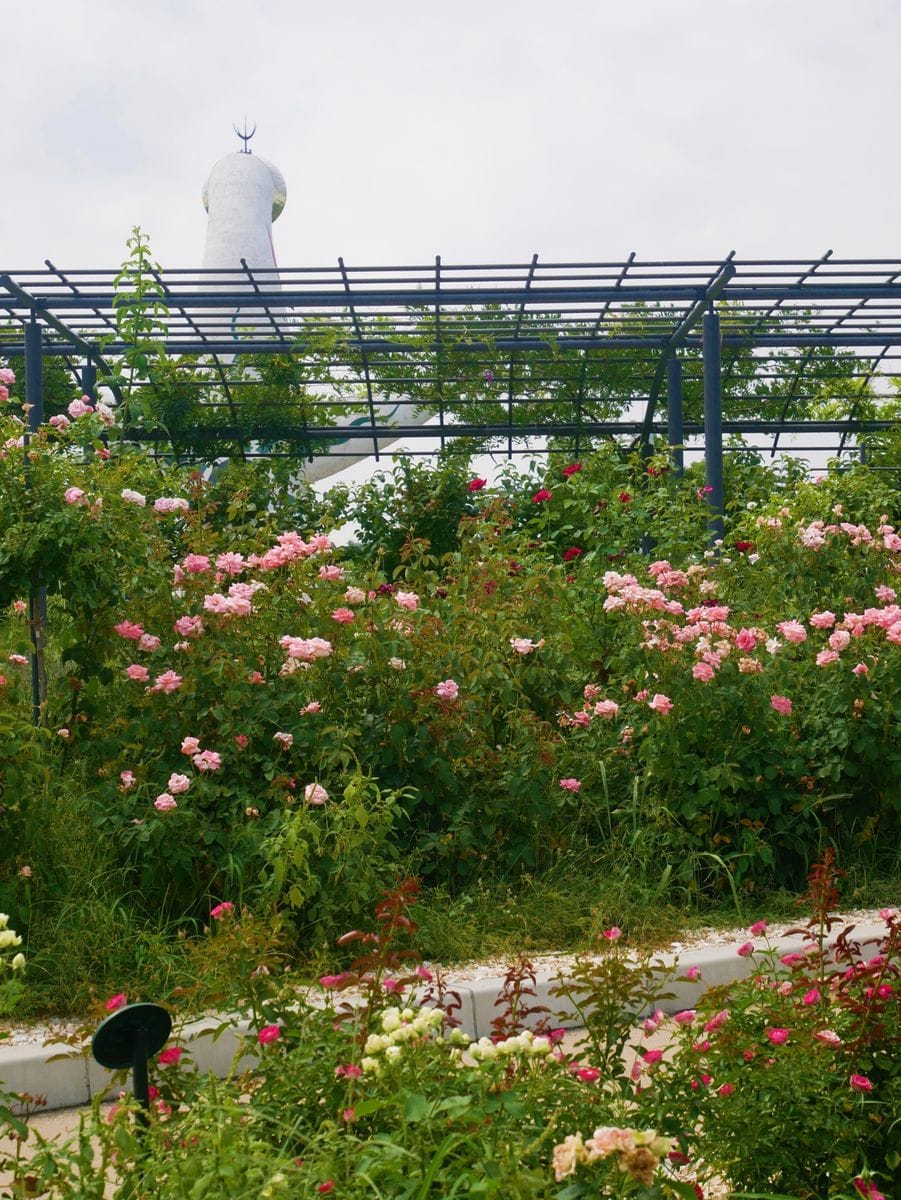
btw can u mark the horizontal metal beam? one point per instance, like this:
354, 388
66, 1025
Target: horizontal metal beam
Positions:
426, 297
320, 433
175, 345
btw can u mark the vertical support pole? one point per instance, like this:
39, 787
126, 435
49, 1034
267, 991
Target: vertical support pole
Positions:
862, 454
37, 595
89, 380
34, 375
713, 423
674, 431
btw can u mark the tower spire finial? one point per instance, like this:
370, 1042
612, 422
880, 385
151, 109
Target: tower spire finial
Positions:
245, 136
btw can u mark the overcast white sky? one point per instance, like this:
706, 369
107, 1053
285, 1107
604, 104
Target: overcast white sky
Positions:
483, 130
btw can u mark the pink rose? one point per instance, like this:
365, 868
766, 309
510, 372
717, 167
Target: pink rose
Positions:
221, 910
822, 620
792, 631
315, 794
137, 672
170, 504
129, 630
860, 1083
269, 1033
165, 803
178, 784
188, 626
476, 485
778, 1036
207, 760
746, 639
692, 973
190, 745
702, 671
781, 704
686, 1017
127, 779
407, 600
149, 642
285, 740
613, 934
746, 949
331, 572
344, 616
447, 690
167, 683
571, 785
170, 1055
607, 709
660, 704
116, 1002
758, 928
826, 657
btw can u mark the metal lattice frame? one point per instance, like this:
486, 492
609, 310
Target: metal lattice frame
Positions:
672, 318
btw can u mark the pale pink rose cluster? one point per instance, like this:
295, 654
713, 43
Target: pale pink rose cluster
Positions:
80, 408
305, 649
75, 495
189, 626
170, 504
290, 547
640, 1152
407, 600
132, 497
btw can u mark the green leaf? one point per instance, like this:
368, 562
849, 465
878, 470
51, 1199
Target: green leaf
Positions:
416, 1107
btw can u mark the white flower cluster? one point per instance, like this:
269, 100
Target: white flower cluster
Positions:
526, 1043
8, 940
403, 1025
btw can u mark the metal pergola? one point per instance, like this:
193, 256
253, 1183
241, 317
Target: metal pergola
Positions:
547, 334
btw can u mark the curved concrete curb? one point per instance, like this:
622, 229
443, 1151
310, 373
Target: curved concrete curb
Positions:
69, 1078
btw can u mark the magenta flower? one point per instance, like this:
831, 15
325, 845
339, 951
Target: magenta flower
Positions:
781, 704
588, 1074
860, 1083
572, 469
221, 910
811, 997
725, 1089
541, 495
269, 1033
115, 1002
746, 949
476, 485
693, 972
778, 1036
170, 1055
758, 928
613, 934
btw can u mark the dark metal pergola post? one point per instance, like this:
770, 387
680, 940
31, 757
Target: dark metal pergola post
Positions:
37, 594
674, 432
89, 380
34, 375
713, 423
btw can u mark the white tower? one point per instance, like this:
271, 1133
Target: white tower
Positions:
243, 195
